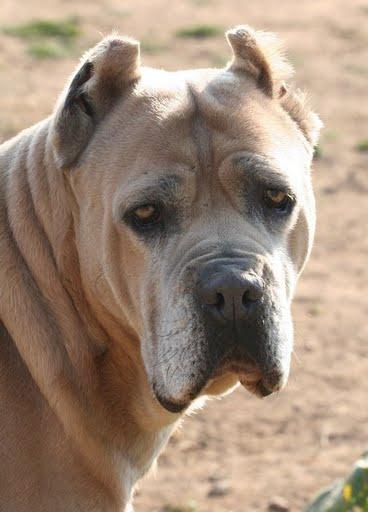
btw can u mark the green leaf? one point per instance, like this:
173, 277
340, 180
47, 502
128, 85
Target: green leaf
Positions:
349, 495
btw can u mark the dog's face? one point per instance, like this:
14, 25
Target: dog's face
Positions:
195, 217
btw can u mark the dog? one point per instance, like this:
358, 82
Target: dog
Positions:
152, 231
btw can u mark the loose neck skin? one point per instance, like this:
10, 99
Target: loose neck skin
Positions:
87, 367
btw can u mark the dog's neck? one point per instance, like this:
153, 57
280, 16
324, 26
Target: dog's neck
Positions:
98, 392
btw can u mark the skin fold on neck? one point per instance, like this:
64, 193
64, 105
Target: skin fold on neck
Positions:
87, 368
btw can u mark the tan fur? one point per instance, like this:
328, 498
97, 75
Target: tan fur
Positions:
79, 424
261, 55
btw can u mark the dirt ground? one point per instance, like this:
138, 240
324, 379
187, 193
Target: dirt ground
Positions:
239, 453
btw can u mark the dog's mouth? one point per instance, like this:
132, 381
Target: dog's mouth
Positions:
255, 380
259, 375
249, 376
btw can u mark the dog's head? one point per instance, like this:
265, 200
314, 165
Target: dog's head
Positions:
194, 209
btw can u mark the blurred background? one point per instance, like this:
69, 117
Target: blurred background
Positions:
241, 454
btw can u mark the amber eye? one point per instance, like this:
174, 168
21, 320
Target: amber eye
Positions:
147, 215
278, 199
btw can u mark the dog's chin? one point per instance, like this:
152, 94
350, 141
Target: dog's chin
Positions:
217, 387
178, 404
175, 407
223, 381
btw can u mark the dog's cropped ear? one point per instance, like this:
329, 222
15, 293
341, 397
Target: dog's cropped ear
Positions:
259, 55
106, 71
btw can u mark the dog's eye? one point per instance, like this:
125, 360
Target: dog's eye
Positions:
146, 215
278, 199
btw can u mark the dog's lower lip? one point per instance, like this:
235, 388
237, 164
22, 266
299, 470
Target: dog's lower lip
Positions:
173, 407
256, 387
263, 390
247, 370
262, 386
249, 375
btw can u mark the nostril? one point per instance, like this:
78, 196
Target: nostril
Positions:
228, 294
220, 303
249, 298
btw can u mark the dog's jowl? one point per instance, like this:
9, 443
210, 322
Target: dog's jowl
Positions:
152, 231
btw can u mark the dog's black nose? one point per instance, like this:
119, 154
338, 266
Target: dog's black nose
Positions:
230, 293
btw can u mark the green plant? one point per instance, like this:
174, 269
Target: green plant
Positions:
47, 38
349, 495
362, 145
199, 31
39, 28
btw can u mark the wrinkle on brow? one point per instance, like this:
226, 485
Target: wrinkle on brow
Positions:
165, 188
201, 136
260, 168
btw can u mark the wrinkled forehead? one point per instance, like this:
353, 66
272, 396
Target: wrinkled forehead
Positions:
199, 118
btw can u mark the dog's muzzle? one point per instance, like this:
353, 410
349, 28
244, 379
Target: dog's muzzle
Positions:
233, 302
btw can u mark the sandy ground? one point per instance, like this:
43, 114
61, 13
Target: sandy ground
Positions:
239, 453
